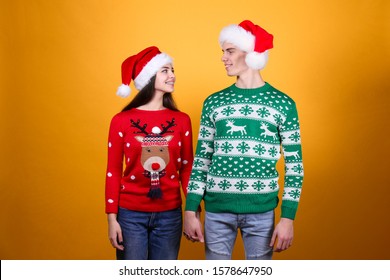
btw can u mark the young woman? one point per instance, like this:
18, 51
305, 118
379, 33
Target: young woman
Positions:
150, 157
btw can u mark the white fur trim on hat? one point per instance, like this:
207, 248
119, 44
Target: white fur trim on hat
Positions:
123, 91
150, 69
237, 36
256, 60
245, 41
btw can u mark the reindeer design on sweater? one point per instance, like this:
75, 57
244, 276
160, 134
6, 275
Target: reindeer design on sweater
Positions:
235, 128
267, 132
155, 153
294, 154
206, 148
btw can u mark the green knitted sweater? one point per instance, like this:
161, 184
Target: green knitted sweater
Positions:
242, 135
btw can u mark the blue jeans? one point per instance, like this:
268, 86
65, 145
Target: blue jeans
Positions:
221, 233
150, 235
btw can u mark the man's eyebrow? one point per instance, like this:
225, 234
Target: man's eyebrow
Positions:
229, 49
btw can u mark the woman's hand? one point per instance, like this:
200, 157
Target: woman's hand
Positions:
114, 232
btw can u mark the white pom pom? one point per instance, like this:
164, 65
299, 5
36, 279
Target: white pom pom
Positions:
156, 130
123, 91
256, 60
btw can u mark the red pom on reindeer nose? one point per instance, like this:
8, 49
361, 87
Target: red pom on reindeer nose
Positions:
155, 166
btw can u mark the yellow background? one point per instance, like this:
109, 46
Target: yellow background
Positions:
60, 68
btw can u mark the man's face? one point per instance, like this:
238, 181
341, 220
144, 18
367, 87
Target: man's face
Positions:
233, 59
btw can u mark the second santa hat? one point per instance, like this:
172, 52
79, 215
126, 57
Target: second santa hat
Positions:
249, 38
141, 68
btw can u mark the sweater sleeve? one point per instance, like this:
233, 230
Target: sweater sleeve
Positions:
202, 161
114, 165
292, 152
187, 154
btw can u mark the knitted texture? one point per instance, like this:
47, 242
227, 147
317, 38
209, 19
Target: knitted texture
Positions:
150, 156
241, 138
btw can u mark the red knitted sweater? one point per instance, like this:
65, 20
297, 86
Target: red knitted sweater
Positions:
148, 150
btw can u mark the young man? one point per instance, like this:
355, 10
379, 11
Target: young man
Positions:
243, 131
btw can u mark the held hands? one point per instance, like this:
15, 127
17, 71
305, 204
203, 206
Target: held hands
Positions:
193, 226
114, 232
283, 234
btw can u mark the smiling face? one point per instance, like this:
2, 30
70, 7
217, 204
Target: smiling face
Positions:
233, 59
165, 79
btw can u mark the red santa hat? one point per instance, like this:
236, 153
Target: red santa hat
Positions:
141, 68
250, 38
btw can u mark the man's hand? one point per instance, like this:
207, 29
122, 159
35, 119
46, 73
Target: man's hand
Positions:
193, 226
283, 234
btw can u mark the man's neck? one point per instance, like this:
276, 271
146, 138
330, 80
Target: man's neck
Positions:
250, 79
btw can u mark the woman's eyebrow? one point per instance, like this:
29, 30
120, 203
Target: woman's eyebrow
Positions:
166, 67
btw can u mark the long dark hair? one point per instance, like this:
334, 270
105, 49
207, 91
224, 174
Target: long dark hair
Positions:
146, 94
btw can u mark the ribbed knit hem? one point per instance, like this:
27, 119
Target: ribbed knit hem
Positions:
193, 202
289, 212
240, 203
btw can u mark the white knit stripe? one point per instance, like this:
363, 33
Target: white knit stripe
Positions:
242, 186
150, 69
201, 187
203, 136
257, 112
201, 164
291, 194
291, 137
240, 172
241, 147
294, 169
254, 103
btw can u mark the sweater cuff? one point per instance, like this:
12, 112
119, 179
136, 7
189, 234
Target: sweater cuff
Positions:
288, 213
111, 209
193, 202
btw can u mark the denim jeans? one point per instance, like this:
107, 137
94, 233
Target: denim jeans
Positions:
221, 233
150, 235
